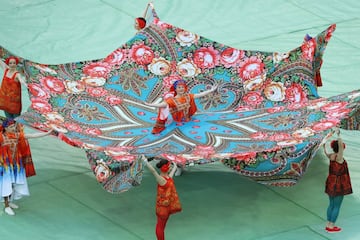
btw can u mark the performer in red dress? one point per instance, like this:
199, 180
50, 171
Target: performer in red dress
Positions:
181, 106
167, 199
10, 91
338, 182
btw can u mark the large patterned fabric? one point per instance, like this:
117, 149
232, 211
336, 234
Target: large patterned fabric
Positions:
266, 120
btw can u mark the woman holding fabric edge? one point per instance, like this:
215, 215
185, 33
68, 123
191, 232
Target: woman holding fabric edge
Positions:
167, 199
10, 91
14, 153
338, 182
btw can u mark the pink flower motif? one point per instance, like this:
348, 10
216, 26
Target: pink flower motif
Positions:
247, 157
41, 126
295, 93
40, 105
290, 142
259, 135
308, 49
37, 91
324, 124
341, 113
93, 131
253, 98
206, 57
230, 57
141, 54
294, 106
169, 81
333, 106
244, 108
124, 158
316, 104
331, 29
275, 109
161, 24
117, 57
102, 171
174, 158
97, 69
204, 151
251, 68
96, 92
123, 150
73, 127
53, 84
113, 100
281, 136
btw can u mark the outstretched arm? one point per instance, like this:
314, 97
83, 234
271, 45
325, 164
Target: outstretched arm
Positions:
3, 64
202, 94
340, 154
37, 135
173, 170
326, 153
157, 105
160, 180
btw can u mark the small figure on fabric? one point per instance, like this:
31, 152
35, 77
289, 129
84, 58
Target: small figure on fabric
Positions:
140, 23
15, 162
338, 182
10, 91
181, 105
167, 199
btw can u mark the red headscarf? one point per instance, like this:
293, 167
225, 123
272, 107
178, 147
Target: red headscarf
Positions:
165, 168
333, 142
177, 83
7, 61
141, 21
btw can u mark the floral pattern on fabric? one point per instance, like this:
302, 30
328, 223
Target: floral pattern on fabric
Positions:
265, 121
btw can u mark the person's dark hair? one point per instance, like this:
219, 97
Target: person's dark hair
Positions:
335, 146
161, 163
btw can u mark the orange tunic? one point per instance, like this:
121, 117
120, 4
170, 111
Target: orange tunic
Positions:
182, 108
10, 94
167, 199
15, 150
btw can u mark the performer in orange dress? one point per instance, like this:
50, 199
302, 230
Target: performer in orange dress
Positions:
10, 91
338, 182
167, 199
181, 106
15, 162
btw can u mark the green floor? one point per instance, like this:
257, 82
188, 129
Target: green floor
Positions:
67, 203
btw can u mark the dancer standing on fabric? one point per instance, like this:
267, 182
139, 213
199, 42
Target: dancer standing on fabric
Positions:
10, 91
15, 162
167, 199
338, 182
181, 106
